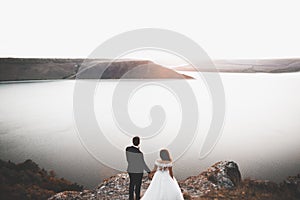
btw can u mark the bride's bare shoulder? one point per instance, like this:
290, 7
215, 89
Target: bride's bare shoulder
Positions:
163, 163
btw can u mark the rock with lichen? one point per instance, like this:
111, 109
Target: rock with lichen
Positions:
223, 174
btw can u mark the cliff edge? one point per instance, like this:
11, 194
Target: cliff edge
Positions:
220, 181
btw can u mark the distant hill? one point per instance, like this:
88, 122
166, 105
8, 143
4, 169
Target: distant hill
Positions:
17, 69
249, 66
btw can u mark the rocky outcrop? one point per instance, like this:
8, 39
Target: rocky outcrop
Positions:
257, 190
27, 181
220, 181
19, 69
221, 175
115, 187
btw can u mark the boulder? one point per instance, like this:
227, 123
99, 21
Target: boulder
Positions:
222, 175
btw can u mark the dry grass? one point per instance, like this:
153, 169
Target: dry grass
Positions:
255, 190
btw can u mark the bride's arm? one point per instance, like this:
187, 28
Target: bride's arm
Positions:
151, 174
154, 169
171, 172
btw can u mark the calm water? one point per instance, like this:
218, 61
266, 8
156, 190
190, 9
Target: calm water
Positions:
261, 132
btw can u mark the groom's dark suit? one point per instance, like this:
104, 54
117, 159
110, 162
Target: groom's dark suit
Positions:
135, 169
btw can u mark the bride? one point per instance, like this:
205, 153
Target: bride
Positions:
163, 185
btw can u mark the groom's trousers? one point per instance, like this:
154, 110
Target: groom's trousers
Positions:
135, 185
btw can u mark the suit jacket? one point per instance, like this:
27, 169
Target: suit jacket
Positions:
136, 162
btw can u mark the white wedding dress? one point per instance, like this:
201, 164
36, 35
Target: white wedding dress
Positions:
163, 186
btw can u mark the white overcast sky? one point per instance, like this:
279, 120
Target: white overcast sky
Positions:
225, 29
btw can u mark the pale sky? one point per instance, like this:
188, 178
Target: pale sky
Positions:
225, 29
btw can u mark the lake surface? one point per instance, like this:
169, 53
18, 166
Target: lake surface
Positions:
261, 131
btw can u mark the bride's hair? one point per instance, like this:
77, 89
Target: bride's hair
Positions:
165, 155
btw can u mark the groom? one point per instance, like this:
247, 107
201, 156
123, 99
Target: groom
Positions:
136, 167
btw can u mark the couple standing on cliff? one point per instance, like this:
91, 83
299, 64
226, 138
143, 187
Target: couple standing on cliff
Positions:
163, 185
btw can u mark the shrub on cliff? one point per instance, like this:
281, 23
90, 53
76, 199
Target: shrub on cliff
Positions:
27, 181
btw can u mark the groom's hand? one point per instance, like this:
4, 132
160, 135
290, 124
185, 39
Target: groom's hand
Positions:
150, 175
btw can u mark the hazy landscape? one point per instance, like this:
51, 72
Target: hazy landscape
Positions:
216, 83
261, 130
248, 66
22, 69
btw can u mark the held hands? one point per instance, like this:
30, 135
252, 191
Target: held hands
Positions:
150, 175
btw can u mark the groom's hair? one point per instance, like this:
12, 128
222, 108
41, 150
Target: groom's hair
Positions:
136, 141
